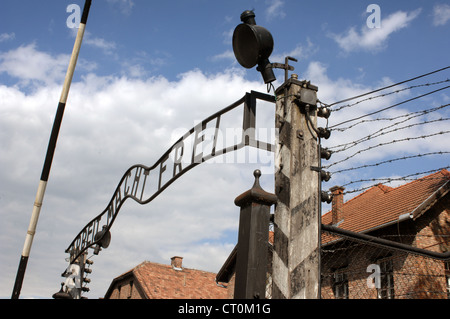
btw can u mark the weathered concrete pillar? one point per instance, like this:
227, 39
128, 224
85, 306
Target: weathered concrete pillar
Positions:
296, 259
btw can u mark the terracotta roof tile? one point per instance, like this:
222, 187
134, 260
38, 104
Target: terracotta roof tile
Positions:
380, 204
163, 282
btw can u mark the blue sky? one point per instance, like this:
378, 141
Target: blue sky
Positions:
175, 37
147, 72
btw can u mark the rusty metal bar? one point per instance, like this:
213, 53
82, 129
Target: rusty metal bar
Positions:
385, 243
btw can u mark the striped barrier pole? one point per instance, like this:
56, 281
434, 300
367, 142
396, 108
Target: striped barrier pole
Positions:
49, 156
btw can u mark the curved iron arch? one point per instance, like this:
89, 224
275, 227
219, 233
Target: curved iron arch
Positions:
91, 235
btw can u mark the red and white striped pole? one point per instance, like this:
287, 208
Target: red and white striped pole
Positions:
50, 152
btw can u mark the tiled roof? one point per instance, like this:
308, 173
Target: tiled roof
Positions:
374, 208
381, 205
160, 281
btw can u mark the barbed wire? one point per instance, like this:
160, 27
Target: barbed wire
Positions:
390, 93
389, 86
386, 143
381, 133
390, 107
393, 179
395, 125
389, 161
409, 115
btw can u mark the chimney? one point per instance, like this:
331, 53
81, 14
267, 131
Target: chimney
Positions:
177, 262
337, 205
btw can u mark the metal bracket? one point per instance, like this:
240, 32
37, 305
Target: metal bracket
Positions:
324, 175
285, 66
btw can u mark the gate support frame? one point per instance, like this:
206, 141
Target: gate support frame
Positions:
253, 241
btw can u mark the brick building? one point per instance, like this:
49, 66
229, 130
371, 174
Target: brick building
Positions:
151, 280
416, 213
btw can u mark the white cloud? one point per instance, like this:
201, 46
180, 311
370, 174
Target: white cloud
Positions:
110, 124
29, 64
228, 37
106, 46
299, 52
32, 66
441, 14
143, 63
374, 39
275, 10
7, 36
227, 55
125, 5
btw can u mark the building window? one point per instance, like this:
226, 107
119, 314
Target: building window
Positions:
340, 284
386, 290
131, 290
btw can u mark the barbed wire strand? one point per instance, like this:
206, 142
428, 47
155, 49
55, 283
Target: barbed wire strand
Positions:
389, 161
389, 86
390, 93
393, 179
410, 115
380, 132
387, 143
390, 107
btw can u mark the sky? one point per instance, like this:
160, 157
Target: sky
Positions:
148, 71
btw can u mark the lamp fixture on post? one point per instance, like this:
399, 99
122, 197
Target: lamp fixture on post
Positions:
252, 45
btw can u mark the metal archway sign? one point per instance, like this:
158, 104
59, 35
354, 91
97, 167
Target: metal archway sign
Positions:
170, 166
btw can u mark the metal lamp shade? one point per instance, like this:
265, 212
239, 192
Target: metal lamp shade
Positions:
252, 44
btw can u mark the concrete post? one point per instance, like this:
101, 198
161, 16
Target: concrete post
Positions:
253, 242
296, 260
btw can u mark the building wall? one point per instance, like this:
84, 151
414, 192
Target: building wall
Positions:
230, 287
126, 289
434, 226
413, 276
